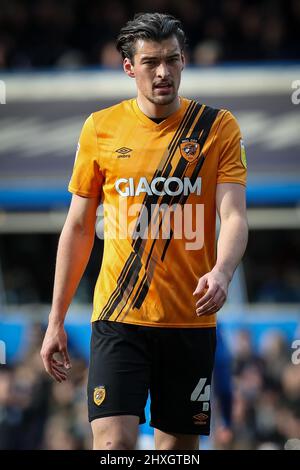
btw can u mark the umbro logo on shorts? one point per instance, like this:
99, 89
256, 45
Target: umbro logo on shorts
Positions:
201, 418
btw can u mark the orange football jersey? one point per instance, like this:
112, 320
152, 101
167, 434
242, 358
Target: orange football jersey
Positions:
157, 182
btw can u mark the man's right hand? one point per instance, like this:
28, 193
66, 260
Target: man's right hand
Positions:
55, 341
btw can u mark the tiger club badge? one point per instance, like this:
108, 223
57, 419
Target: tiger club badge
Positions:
99, 395
190, 149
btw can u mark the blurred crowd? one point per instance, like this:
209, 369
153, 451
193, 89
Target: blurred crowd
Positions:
272, 269
74, 33
37, 413
266, 408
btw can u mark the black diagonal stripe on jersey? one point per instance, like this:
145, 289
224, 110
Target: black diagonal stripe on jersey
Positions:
143, 281
153, 199
186, 122
167, 245
131, 268
128, 262
182, 201
190, 115
133, 275
167, 199
178, 172
209, 116
138, 241
143, 291
203, 125
127, 266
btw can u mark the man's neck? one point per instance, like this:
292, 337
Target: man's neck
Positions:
155, 111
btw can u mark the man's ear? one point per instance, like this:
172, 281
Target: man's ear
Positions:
128, 68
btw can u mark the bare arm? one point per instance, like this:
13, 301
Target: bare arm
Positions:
74, 249
232, 242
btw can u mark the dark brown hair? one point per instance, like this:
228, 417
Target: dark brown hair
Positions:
151, 26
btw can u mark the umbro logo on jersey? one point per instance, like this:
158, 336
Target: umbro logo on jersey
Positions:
123, 152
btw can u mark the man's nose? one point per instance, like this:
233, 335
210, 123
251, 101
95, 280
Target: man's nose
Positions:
162, 70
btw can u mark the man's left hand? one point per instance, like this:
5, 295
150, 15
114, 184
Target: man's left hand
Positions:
211, 292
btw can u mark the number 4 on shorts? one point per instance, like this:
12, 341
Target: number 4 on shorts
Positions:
197, 395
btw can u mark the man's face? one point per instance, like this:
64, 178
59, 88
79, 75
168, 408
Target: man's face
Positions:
157, 68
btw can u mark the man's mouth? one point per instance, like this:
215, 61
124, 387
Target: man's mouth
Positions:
163, 87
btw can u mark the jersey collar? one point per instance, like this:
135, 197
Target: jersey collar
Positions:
170, 120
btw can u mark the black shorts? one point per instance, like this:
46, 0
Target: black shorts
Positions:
174, 364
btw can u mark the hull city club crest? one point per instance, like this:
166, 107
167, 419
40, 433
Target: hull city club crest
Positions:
99, 395
190, 149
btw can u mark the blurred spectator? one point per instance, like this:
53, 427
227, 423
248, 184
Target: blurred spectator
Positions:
53, 33
24, 396
58, 435
71, 59
207, 53
223, 394
36, 413
272, 269
109, 56
244, 355
20, 286
276, 356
